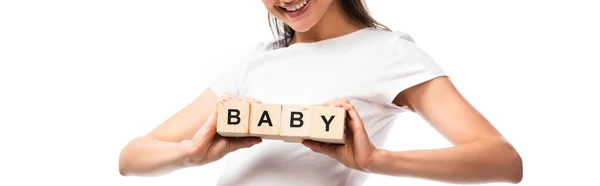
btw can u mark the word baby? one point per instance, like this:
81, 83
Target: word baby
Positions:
290, 123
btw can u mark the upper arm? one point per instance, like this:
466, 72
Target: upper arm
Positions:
440, 103
184, 124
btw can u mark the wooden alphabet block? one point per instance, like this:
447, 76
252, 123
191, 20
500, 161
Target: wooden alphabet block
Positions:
328, 124
295, 123
265, 120
232, 119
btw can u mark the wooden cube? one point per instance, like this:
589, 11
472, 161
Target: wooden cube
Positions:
328, 124
265, 120
232, 119
295, 123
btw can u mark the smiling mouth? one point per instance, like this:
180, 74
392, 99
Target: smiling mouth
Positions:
294, 8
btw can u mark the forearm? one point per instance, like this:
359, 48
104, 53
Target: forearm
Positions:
477, 162
145, 156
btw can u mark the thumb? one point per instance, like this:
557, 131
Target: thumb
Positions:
209, 129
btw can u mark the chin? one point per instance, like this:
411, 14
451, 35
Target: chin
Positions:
301, 27
304, 24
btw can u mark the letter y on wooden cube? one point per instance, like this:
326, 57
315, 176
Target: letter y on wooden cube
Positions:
328, 124
265, 120
232, 119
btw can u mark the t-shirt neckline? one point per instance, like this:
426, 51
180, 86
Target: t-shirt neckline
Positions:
331, 40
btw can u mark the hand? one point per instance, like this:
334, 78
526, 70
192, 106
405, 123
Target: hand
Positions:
358, 152
207, 146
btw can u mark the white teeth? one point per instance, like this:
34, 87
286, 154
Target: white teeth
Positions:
297, 7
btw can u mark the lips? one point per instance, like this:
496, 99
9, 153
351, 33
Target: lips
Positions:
296, 9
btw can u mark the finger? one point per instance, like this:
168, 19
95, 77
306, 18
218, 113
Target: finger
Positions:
209, 129
234, 144
359, 136
319, 147
350, 110
247, 99
224, 97
229, 97
344, 100
235, 98
336, 101
332, 102
354, 122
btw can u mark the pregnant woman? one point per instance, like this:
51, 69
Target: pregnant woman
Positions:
331, 52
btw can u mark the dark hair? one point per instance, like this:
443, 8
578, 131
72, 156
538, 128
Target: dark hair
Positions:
355, 9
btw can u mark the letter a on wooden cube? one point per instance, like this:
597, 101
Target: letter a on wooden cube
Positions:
295, 123
265, 120
232, 119
328, 124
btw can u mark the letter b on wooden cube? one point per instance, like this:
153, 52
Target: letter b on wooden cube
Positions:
328, 124
232, 119
295, 123
265, 120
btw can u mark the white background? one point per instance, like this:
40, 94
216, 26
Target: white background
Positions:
79, 79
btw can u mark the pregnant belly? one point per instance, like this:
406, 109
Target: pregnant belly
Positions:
275, 162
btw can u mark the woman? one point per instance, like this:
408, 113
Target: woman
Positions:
331, 52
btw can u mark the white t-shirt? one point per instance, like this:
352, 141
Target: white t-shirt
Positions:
369, 67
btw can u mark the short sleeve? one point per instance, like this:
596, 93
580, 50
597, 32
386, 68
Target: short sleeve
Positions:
229, 81
404, 65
